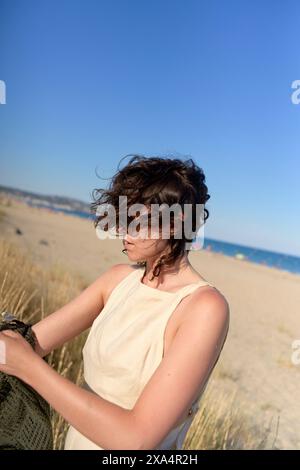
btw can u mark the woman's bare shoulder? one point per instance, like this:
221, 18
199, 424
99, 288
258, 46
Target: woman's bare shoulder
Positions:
205, 298
115, 274
122, 269
209, 299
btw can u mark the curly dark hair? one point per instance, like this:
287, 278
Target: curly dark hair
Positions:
157, 180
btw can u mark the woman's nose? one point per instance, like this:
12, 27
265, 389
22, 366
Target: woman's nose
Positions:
128, 238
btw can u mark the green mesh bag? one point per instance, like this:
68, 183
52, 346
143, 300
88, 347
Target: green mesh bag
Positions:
25, 420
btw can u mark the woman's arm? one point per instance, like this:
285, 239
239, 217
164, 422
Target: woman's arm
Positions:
77, 315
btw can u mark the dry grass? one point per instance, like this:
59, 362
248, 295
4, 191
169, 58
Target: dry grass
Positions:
2, 214
31, 293
225, 421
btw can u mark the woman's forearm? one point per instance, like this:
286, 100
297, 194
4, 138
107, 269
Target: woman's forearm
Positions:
59, 327
71, 319
54, 331
107, 424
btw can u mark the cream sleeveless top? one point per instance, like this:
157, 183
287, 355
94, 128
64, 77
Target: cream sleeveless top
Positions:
125, 346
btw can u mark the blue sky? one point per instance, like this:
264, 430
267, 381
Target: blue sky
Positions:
88, 82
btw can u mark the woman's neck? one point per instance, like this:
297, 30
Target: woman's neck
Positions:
166, 272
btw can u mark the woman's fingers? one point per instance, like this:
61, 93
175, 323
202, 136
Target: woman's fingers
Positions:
11, 333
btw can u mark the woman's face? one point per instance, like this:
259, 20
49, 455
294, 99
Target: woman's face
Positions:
138, 242
139, 249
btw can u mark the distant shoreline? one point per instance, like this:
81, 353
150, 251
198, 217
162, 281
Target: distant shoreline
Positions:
284, 262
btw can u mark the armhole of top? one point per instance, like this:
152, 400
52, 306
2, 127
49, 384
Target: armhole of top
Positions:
110, 299
117, 287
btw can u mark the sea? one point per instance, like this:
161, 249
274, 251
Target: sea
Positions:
283, 261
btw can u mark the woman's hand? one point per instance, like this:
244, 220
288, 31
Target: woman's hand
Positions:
99, 420
16, 354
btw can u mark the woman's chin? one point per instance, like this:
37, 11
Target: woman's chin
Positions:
130, 254
134, 256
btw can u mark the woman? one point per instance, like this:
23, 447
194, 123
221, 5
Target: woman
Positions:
158, 327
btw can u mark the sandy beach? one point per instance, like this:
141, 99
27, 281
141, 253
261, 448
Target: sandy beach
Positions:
264, 306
